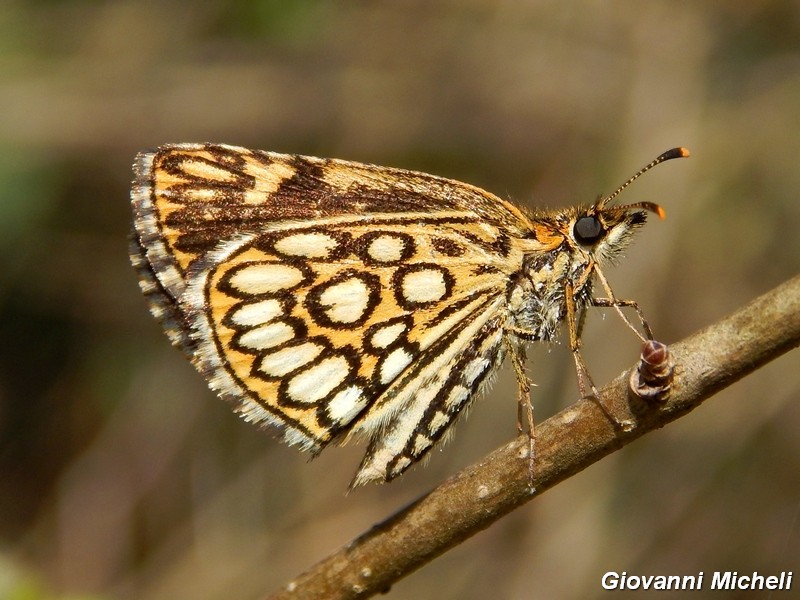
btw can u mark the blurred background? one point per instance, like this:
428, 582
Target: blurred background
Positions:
122, 476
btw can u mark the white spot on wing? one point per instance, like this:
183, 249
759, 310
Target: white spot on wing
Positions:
206, 170
257, 313
286, 360
386, 248
384, 336
346, 404
267, 336
438, 421
427, 285
394, 363
421, 443
310, 245
320, 380
402, 464
473, 369
268, 180
265, 278
348, 300
456, 396
196, 194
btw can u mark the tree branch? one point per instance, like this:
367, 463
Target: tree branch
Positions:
567, 443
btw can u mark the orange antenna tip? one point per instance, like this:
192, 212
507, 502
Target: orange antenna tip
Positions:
679, 152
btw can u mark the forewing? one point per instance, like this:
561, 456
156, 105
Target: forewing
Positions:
189, 197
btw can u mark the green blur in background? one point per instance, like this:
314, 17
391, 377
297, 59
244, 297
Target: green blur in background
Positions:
122, 476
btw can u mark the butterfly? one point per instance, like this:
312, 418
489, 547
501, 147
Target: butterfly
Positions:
338, 300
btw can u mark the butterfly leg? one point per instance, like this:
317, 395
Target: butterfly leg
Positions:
574, 326
524, 405
617, 304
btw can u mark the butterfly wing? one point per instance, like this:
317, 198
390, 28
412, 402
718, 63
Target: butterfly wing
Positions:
328, 297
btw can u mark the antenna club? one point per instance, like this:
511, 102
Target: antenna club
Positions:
680, 152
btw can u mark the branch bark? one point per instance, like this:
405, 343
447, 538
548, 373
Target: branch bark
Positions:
567, 443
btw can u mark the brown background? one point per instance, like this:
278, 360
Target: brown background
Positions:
121, 476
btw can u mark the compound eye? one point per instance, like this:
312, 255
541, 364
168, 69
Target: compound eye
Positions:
588, 230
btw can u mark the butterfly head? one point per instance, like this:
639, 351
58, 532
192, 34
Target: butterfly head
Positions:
604, 230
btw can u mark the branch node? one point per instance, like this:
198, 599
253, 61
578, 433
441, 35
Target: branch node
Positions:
652, 379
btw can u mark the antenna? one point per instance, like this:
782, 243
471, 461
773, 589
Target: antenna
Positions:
668, 155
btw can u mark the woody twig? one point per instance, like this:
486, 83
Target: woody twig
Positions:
567, 443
